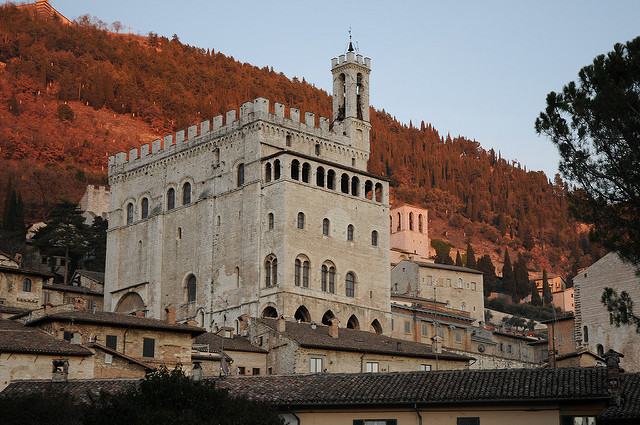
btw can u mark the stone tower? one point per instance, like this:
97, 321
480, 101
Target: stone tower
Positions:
351, 96
255, 213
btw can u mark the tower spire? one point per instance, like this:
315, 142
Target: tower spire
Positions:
350, 48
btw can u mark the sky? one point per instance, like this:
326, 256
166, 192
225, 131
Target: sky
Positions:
479, 69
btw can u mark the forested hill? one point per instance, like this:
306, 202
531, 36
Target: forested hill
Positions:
71, 95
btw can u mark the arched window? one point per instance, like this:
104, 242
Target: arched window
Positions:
144, 213
344, 183
410, 221
320, 177
378, 192
305, 273
297, 275
171, 199
129, 213
306, 172
585, 333
269, 312
191, 289
240, 177
350, 284
325, 272
355, 186
368, 189
327, 317
353, 322
459, 283
374, 238
267, 172
463, 307
295, 169
325, 227
26, 285
271, 271
270, 221
328, 281
376, 327
186, 193
600, 350
300, 220
331, 180
420, 223
350, 232
276, 169
302, 314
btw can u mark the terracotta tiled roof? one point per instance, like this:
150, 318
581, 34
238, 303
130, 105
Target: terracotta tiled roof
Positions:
8, 309
95, 276
423, 388
629, 407
237, 343
71, 288
115, 319
81, 388
16, 338
358, 341
25, 272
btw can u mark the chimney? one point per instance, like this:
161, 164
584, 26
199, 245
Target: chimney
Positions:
282, 324
171, 315
436, 344
196, 374
333, 329
243, 323
60, 370
612, 359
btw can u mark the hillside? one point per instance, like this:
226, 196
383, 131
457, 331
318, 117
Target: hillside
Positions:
121, 91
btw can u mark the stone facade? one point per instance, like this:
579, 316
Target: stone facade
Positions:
459, 288
255, 213
594, 328
95, 203
409, 228
21, 288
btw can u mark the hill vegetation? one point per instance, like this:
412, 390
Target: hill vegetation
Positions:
72, 95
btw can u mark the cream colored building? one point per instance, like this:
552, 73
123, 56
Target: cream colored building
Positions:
409, 228
460, 288
256, 213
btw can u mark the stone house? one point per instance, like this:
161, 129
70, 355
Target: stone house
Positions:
28, 353
459, 288
594, 326
243, 357
299, 347
563, 297
270, 205
84, 284
20, 287
124, 345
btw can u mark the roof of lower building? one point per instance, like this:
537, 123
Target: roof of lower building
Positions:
9, 309
237, 343
95, 276
444, 267
358, 341
17, 338
71, 288
115, 319
424, 388
629, 407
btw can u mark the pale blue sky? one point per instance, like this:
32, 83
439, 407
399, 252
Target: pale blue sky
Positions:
480, 69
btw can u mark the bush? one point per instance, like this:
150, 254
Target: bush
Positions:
65, 113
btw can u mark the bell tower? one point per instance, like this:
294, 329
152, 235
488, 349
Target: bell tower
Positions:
351, 96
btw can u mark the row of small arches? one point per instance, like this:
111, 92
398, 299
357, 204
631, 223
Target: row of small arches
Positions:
302, 271
302, 315
399, 226
325, 178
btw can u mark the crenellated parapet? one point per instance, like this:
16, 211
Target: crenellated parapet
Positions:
222, 127
351, 58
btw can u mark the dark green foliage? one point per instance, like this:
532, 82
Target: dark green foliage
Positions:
596, 126
97, 245
471, 257
547, 295
535, 295
65, 234
169, 397
459, 259
521, 278
514, 322
65, 113
442, 251
508, 280
620, 307
525, 310
485, 265
48, 408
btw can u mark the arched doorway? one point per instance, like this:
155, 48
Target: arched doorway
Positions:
326, 318
376, 327
130, 303
353, 322
269, 312
302, 314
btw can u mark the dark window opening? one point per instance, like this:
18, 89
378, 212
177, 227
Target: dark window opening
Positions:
186, 194
320, 177
112, 342
191, 289
171, 199
295, 169
148, 347
145, 208
306, 171
240, 175
344, 183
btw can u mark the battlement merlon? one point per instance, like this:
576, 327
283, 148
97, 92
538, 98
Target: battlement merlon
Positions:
233, 120
351, 57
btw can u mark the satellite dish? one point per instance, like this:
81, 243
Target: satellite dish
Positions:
224, 366
599, 363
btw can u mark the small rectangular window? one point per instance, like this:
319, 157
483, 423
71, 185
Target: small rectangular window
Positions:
468, 421
90, 304
112, 342
68, 336
148, 347
316, 365
108, 358
372, 367
425, 367
425, 329
524, 351
47, 297
256, 371
407, 327
458, 336
241, 370
391, 324
448, 283
375, 422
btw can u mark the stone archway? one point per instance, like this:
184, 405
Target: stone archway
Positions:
130, 303
353, 322
270, 312
326, 318
302, 314
376, 327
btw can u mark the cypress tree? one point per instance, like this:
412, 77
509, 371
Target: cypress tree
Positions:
471, 257
547, 295
508, 281
459, 259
